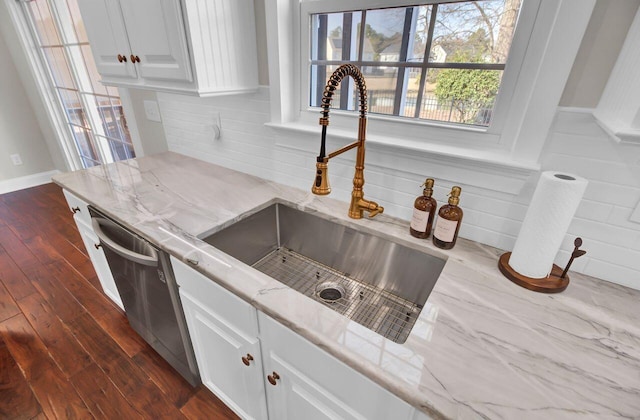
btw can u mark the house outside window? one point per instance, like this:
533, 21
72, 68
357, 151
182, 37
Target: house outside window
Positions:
439, 61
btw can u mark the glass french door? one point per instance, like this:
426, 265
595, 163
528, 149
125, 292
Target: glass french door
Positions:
94, 115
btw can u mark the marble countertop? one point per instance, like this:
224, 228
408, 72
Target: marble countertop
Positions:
482, 347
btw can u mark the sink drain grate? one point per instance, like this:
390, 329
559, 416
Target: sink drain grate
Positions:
374, 308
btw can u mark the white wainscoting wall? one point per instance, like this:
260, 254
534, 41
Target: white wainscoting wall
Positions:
576, 144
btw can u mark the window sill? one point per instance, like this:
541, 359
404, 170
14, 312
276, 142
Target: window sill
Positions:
492, 169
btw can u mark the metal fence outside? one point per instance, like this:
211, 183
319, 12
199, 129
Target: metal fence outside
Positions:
469, 112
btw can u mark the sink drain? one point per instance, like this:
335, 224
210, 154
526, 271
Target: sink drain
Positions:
330, 291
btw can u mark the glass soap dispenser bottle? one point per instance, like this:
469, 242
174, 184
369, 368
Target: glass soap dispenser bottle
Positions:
449, 220
424, 210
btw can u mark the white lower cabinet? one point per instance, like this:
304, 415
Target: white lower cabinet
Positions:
224, 333
92, 244
99, 261
312, 384
261, 369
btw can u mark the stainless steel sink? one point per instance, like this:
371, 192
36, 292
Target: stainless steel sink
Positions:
373, 281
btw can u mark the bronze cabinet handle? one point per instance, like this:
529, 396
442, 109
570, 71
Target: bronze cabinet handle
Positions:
122, 58
247, 359
97, 246
135, 58
273, 378
75, 209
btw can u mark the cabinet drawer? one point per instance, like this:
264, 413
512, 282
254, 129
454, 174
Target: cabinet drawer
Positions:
216, 299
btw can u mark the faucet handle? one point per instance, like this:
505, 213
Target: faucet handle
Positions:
376, 211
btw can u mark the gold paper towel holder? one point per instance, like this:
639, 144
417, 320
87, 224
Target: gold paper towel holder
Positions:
555, 282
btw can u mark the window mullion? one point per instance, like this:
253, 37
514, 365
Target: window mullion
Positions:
345, 88
425, 60
400, 78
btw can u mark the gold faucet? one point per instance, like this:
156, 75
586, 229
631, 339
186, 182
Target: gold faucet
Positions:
321, 185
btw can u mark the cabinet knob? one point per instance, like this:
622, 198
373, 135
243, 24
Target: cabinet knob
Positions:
273, 378
247, 359
122, 58
135, 58
75, 209
97, 246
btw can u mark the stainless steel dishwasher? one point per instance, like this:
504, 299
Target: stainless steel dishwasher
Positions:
149, 292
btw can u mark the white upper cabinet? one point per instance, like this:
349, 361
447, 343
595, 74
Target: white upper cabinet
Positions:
109, 44
199, 47
157, 38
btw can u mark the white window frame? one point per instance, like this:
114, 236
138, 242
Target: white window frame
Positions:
53, 108
545, 44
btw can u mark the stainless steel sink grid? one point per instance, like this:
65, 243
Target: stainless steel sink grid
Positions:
380, 311
375, 282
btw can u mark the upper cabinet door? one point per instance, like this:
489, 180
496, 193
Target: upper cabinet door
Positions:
108, 37
157, 37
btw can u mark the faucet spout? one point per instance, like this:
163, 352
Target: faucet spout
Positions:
321, 185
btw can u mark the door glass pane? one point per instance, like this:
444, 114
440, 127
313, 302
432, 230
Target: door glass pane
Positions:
59, 68
78, 24
44, 24
93, 112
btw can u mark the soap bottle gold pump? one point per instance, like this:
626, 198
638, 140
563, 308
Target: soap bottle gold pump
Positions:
449, 219
424, 210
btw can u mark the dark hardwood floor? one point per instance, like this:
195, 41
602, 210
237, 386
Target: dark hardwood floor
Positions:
66, 351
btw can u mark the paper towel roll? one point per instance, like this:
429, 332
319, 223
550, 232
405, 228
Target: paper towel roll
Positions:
547, 220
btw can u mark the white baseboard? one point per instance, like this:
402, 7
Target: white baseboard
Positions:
28, 181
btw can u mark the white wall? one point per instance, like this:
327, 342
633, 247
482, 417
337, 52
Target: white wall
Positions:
19, 130
24, 114
576, 144
599, 49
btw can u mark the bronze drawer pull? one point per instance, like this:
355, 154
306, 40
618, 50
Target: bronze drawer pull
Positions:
247, 359
122, 58
273, 378
135, 58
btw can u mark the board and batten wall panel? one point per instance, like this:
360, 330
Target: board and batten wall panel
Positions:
576, 144
223, 38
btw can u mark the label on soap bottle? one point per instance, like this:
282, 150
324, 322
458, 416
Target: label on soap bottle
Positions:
419, 220
445, 229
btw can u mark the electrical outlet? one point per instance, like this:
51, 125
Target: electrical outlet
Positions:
152, 111
16, 159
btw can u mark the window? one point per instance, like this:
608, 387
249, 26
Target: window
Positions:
94, 115
441, 61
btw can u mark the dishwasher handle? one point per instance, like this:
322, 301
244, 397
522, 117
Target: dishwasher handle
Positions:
150, 260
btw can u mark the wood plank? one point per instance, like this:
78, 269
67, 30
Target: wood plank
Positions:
132, 381
44, 251
13, 278
20, 227
174, 386
16, 398
43, 278
101, 396
93, 300
26, 347
108, 355
205, 405
8, 306
16, 249
60, 342
116, 325
58, 398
